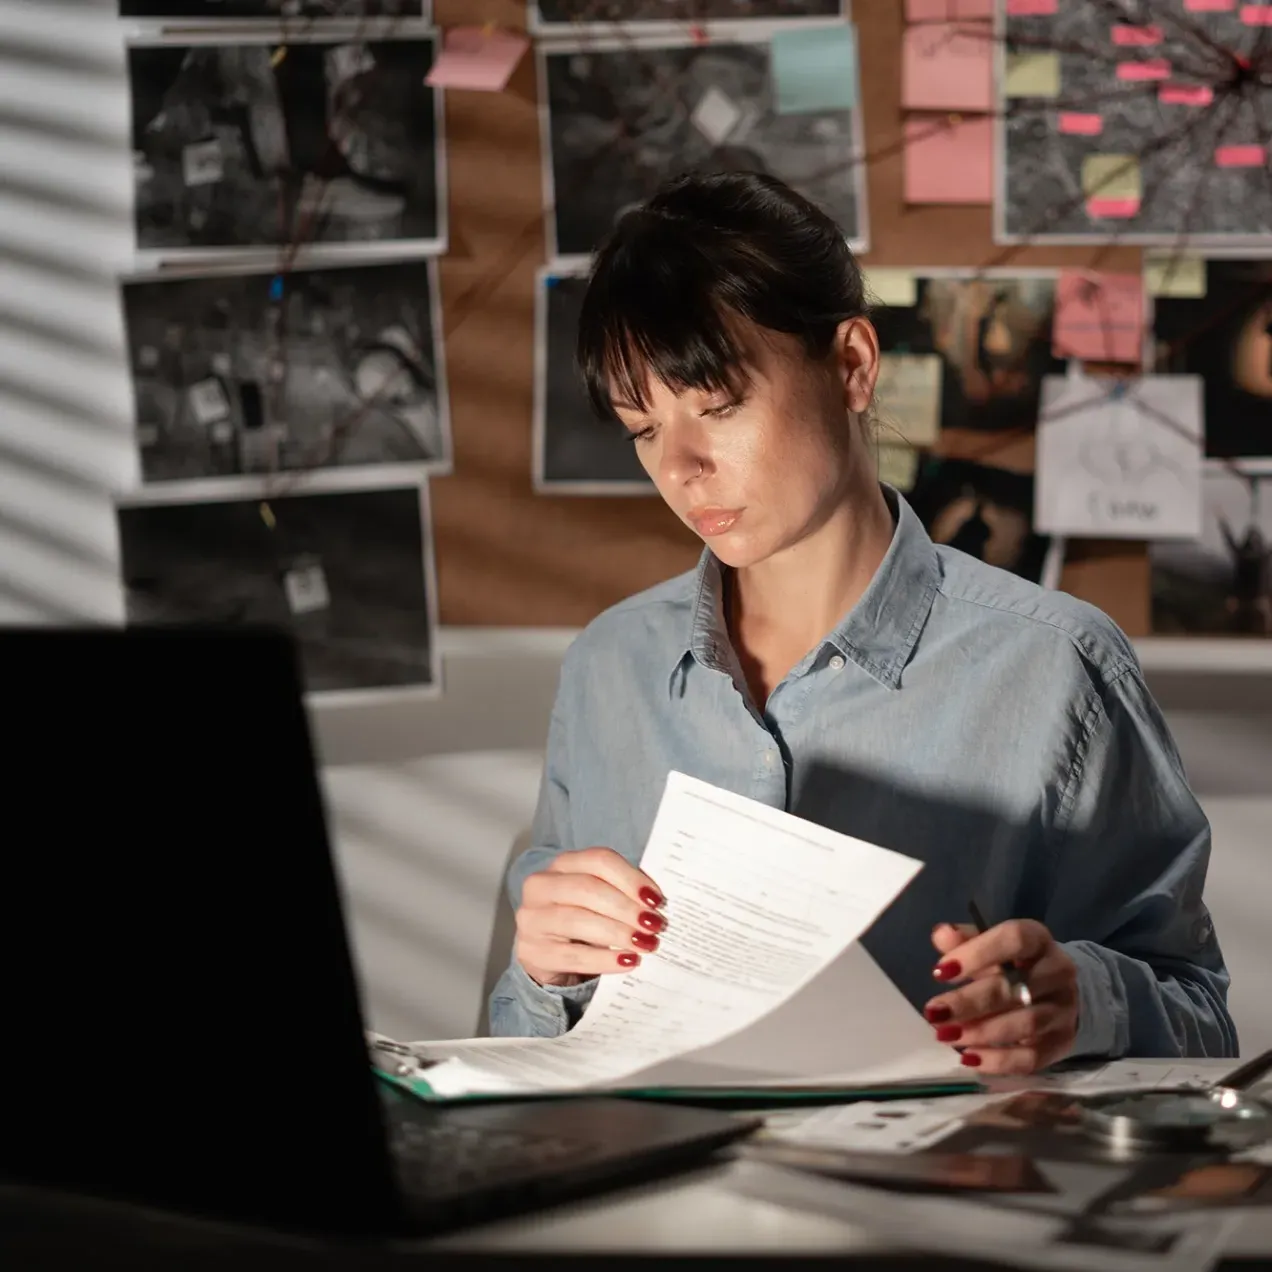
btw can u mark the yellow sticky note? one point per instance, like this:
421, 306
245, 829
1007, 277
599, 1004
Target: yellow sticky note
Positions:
898, 465
908, 393
1112, 177
1175, 275
1032, 75
894, 287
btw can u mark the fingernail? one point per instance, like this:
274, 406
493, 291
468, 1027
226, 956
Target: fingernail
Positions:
650, 898
949, 1033
645, 941
970, 1059
937, 1013
653, 922
949, 970
628, 960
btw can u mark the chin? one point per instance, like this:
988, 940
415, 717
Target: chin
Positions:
737, 551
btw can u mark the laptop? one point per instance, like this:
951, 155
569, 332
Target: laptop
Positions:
183, 1017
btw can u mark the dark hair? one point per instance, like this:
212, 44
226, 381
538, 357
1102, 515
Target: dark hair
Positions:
704, 249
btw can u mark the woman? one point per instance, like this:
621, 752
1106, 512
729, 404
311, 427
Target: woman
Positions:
827, 658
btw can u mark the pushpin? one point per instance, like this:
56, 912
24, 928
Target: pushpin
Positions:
279, 53
267, 515
276, 287
698, 34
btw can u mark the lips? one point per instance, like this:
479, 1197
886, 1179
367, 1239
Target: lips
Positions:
709, 522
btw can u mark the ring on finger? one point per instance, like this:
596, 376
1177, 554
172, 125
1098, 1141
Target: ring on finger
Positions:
1021, 994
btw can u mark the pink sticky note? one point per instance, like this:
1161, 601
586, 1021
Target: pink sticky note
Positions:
949, 162
947, 10
1241, 156
1153, 68
1185, 94
1210, 6
947, 66
1137, 36
1112, 209
1099, 317
477, 58
1030, 8
1256, 14
1080, 125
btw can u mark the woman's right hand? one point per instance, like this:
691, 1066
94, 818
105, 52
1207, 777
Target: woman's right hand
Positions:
588, 913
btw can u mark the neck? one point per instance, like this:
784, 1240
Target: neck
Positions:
797, 596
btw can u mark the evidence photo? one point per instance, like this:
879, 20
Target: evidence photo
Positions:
261, 372
621, 117
311, 142
548, 16
350, 573
273, 8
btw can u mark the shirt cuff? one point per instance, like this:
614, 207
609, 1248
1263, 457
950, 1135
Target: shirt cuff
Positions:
1101, 1012
563, 1005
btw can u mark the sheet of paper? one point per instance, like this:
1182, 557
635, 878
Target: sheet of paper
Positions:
1032, 75
949, 162
889, 1126
908, 396
1173, 274
1120, 460
948, 66
477, 58
1099, 317
715, 116
947, 10
896, 288
758, 904
814, 69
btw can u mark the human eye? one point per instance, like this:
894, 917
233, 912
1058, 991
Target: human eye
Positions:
640, 434
725, 409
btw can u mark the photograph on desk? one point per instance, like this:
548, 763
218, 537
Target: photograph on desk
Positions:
1221, 583
239, 374
316, 142
575, 452
1224, 335
621, 114
979, 343
551, 16
349, 572
274, 8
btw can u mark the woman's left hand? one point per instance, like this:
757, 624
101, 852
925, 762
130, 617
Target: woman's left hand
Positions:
983, 1017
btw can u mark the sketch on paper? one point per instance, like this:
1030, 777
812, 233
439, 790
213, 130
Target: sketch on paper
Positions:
1220, 583
235, 146
273, 8
555, 15
350, 573
1225, 336
621, 117
1120, 459
253, 373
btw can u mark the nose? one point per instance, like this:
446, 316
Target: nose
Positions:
683, 459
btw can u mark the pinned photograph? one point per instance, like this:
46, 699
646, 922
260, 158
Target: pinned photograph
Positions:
978, 345
621, 115
1220, 584
337, 370
274, 8
349, 573
1224, 335
549, 16
313, 142
574, 451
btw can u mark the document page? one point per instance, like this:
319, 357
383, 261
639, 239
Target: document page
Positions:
758, 902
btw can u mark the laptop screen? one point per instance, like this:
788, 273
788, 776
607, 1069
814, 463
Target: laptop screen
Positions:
183, 1023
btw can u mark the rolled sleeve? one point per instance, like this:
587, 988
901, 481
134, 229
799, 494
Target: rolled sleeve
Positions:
1126, 904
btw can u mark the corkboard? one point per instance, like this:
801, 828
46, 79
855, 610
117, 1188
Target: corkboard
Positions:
509, 557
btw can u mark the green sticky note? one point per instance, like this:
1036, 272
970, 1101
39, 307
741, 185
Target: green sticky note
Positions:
814, 68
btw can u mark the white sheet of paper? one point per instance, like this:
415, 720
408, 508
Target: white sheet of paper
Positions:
715, 116
759, 902
1120, 466
908, 393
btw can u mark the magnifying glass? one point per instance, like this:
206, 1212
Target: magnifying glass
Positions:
1182, 1118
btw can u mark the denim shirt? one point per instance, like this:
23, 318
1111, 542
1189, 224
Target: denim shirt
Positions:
999, 732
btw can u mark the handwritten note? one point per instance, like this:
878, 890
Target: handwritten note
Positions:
1120, 459
947, 66
814, 70
908, 393
949, 162
477, 58
1099, 317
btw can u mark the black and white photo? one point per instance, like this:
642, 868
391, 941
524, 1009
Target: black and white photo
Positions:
548, 16
621, 116
349, 573
257, 145
247, 374
574, 451
273, 8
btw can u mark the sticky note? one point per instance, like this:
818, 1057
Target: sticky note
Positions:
897, 288
1155, 68
1112, 184
949, 161
1099, 317
1030, 8
947, 10
1185, 94
1078, 124
1175, 275
1210, 6
1032, 75
1256, 14
306, 588
208, 401
203, 163
948, 66
1241, 156
908, 394
477, 58
814, 69
897, 465
1136, 36
715, 116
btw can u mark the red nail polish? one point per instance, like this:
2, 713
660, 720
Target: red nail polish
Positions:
970, 1059
936, 1014
651, 921
650, 898
628, 960
951, 969
949, 1033
645, 941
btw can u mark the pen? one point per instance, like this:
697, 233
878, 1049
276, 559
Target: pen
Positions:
1011, 973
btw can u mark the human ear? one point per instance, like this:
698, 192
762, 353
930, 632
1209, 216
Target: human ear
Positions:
857, 360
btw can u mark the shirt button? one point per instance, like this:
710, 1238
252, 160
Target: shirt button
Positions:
770, 758
837, 662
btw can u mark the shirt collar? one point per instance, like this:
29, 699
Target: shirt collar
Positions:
879, 632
